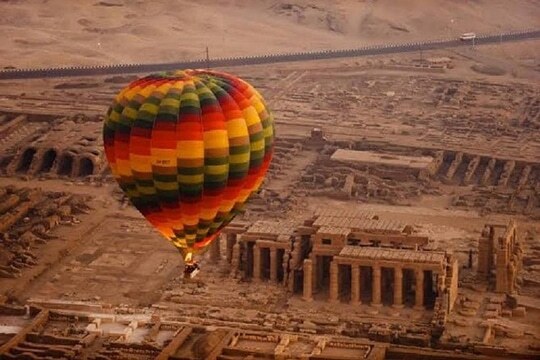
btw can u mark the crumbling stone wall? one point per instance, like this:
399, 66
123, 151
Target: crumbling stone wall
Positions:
70, 148
499, 250
27, 216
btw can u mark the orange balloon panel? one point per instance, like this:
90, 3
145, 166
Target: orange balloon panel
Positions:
188, 148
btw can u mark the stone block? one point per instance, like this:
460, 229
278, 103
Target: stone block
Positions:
519, 312
514, 333
93, 329
490, 314
474, 305
462, 322
494, 307
467, 312
496, 299
308, 325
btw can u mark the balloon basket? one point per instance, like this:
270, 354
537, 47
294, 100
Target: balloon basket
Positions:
191, 270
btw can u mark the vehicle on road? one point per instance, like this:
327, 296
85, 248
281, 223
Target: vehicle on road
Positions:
467, 36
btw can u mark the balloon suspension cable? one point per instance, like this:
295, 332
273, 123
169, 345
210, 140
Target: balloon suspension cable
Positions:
188, 256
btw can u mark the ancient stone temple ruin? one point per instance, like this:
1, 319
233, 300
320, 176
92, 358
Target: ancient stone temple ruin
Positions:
500, 256
97, 333
346, 256
56, 147
383, 276
263, 251
358, 258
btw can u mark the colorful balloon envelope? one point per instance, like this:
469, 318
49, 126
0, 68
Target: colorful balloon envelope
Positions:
188, 148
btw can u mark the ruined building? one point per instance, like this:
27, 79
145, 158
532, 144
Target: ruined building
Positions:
96, 333
500, 256
52, 147
345, 256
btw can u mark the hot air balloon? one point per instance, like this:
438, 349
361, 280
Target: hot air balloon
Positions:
188, 148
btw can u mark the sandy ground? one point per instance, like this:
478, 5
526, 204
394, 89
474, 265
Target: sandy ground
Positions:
59, 32
92, 260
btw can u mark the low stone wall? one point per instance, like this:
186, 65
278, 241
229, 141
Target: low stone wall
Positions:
38, 321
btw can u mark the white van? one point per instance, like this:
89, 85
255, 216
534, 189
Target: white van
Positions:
467, 36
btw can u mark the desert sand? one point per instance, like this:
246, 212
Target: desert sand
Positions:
83, 275
58, 32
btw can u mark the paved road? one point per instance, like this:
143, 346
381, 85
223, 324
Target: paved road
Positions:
265, 59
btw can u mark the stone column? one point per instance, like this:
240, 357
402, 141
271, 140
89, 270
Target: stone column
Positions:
256, 262
334, 277
231, 240
419, 292
376, 286
215, 249
398, 287
285, 267
308, 274
294, 261
511, 278
235, 258
501, 270
484, 254
440, 284
355, 284
316, 274
273, 264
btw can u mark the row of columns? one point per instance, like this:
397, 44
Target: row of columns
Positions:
231, 251
233, 257
257, 263
230, 243
355, 285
